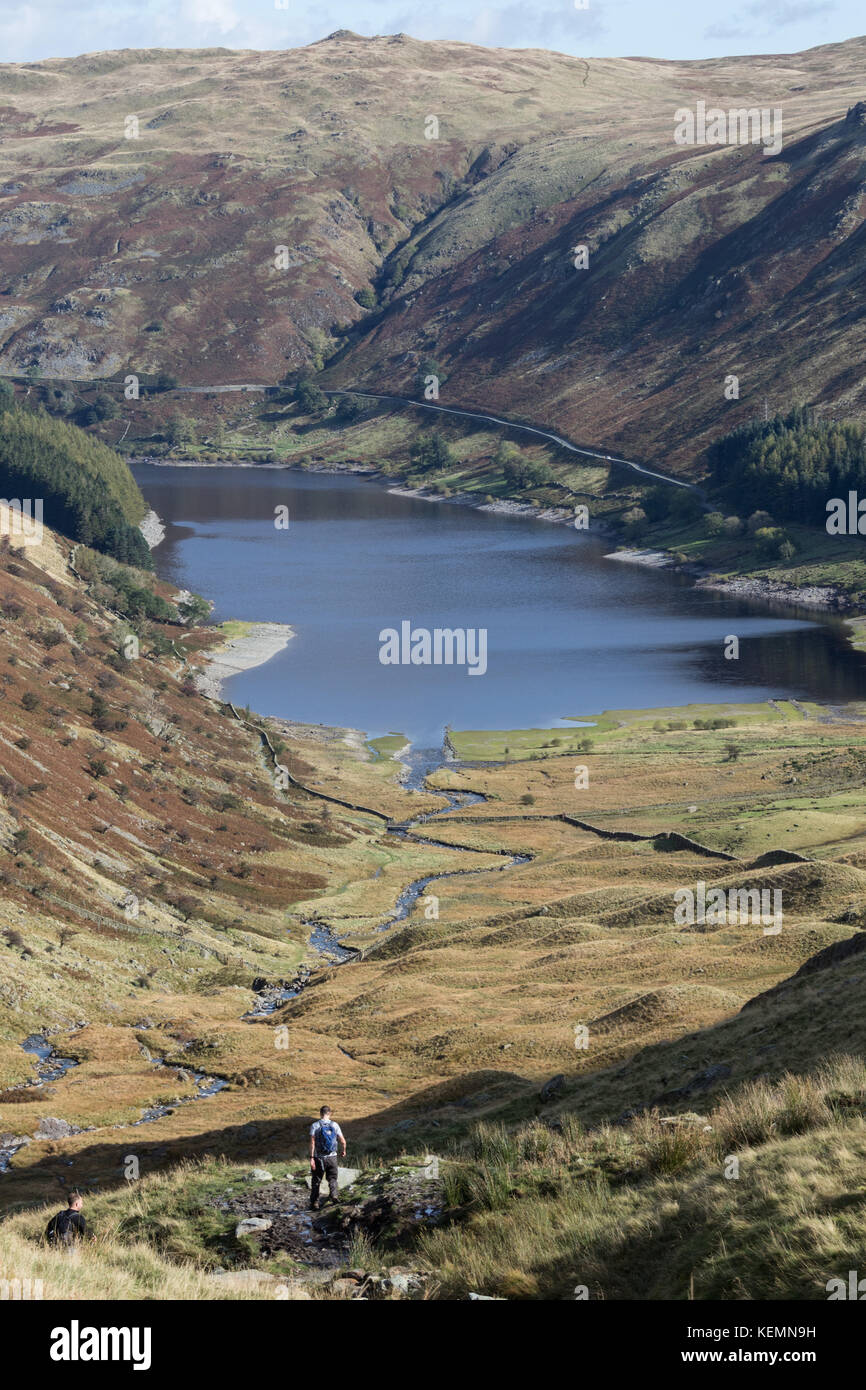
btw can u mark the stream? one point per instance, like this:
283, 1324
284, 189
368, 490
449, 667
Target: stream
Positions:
419, 765
51, 1067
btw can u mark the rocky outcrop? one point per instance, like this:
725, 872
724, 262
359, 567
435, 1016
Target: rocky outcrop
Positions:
388, 1205
52, 1128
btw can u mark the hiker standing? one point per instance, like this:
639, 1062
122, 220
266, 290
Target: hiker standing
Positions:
69, 1225
325, 1134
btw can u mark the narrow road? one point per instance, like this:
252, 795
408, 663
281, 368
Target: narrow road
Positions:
478, 415
243, 386
422, 405
528, 429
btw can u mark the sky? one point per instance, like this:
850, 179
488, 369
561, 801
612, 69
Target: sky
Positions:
34, 29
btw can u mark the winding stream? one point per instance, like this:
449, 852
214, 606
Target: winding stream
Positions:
419, 765
51, 1067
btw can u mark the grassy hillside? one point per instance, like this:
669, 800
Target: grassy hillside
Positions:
704, 265
760, 1198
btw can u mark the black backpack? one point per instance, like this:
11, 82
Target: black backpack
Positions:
61, 1227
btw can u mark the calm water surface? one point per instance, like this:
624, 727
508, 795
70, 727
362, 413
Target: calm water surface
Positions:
569, 632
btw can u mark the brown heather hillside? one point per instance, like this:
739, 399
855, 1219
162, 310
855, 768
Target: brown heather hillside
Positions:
321, 150
121, 783
149, 872
158, 252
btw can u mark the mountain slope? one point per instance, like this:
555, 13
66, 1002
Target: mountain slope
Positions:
158, 252
702, 264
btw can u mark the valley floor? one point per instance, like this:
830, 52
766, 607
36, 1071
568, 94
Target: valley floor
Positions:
537, 985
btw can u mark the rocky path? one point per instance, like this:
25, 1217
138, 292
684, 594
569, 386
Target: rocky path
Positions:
389, 1204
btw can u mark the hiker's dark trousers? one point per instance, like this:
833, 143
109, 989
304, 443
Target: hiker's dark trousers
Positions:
325, 1168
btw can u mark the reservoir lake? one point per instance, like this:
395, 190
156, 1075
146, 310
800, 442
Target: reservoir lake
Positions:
569, 632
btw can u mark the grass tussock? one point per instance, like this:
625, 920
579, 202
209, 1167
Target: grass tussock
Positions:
760, 1198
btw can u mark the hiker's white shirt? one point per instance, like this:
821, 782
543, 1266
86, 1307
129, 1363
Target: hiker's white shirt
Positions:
315, 1128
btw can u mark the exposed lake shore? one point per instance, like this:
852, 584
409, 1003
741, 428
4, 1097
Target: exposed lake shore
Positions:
820, 596
250, 648
825, 598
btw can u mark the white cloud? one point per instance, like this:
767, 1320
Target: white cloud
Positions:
218, 14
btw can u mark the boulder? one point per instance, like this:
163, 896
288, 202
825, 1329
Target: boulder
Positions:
708, 1077
701, 1081
344, 1288
399, 1283
259, 1175
395, 1283
52, 1128
554, 1087
345, 1178
252, 1225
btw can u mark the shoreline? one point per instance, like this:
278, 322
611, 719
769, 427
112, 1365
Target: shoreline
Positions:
159, 462
252, 648
824, 598
504, 506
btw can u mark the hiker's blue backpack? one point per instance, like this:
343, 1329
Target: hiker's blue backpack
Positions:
327, 1138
